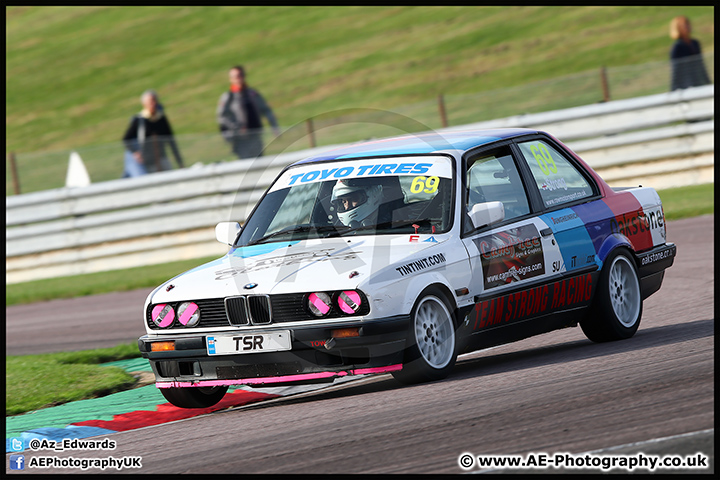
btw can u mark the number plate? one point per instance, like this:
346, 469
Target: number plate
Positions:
248, 342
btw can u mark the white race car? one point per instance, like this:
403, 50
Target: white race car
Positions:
399, 254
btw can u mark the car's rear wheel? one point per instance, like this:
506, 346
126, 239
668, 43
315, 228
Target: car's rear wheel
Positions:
194, 397
616, 312
431, 347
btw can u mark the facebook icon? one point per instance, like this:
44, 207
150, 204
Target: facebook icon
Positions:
17, 462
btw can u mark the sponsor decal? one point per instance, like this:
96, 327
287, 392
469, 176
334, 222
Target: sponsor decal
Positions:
284, 260
426, 170
544, 299
650, 258
430, 240
421, 264
564, 218
414, 238
567, 198
421, 168
510, 256
633, 223
554, 184
359, 171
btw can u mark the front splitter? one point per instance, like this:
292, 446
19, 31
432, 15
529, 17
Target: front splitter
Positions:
280, 379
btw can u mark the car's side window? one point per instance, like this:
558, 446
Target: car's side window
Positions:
557, 179
493, 176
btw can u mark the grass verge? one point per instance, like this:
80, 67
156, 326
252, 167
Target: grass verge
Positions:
309, 61
95, 283
44, 380
685, 202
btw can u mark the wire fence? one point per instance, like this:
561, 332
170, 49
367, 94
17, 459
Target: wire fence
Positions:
36, 171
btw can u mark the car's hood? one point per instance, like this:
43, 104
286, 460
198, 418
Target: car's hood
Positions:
287, 267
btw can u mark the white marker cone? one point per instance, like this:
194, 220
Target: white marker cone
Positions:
77, 175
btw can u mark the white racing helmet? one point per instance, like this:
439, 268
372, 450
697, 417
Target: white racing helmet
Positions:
367, 198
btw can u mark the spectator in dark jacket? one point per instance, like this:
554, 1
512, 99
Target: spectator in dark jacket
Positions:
688, 68
145, 139
239, 113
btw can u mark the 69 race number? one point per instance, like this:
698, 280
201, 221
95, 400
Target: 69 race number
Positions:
424, 184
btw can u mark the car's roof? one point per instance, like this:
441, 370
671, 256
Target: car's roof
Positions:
420, 143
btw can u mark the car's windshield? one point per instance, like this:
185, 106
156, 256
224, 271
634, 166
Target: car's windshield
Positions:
390, 195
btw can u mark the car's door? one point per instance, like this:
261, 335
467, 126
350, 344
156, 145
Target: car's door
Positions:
514, 255
564, 190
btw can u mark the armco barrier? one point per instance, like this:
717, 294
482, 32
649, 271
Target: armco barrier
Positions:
662, 141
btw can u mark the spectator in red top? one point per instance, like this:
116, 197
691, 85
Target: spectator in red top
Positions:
238, 114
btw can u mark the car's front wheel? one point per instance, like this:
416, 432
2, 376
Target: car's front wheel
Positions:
431, 347
194, 397
617, 309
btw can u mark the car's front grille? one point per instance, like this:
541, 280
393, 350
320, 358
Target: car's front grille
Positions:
259, 307
248, 310
237, 312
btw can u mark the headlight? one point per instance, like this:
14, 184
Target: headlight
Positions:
189, 314
319, 303
163, 315
349, 301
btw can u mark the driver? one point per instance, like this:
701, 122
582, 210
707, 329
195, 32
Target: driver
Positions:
356, 203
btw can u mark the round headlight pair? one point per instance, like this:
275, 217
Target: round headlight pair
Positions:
188, 314
320, 303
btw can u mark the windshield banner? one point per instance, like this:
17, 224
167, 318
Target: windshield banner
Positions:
430, 166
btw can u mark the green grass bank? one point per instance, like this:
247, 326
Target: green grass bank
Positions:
74, 74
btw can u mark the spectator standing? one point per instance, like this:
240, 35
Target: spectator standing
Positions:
145, 139
239, 112
688, 68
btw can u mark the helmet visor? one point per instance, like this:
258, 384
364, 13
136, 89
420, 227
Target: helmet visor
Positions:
347, 202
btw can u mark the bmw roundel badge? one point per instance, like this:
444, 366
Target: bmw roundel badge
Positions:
250, 286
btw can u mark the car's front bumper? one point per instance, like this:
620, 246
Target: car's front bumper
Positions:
378, 348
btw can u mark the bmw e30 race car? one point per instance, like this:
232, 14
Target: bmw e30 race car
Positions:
398, 255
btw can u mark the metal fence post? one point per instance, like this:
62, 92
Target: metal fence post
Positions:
604, 81
13, 169
443, 114
311, 132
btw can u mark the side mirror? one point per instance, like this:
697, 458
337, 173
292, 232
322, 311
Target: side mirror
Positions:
487, 213
226, 232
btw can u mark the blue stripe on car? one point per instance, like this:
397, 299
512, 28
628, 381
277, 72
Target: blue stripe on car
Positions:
596, 216
575, 244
